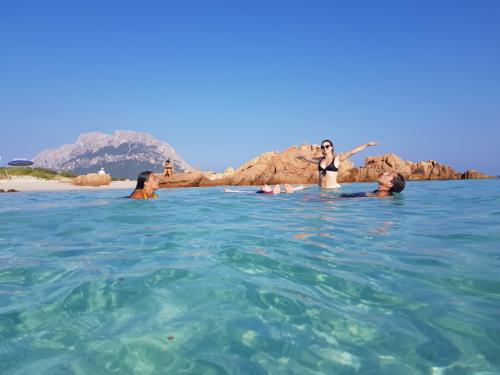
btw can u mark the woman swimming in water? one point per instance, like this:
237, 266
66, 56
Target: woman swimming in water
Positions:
266, 189
147, 183
329, 163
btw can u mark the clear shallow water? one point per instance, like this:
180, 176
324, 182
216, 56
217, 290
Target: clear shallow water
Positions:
205, 282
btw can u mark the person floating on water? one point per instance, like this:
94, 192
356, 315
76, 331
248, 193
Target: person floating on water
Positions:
169, 169
389, 182
266, 189
329, 163
147, 183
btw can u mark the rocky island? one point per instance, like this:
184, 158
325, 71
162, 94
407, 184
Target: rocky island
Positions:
284, 167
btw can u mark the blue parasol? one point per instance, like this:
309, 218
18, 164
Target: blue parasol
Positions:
20, 163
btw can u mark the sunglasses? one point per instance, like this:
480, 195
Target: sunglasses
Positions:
325, 147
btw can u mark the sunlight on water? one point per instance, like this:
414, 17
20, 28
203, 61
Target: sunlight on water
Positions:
205, 282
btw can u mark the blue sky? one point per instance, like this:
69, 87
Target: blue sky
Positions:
224, 81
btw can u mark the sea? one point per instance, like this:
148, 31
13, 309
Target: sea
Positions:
201, 281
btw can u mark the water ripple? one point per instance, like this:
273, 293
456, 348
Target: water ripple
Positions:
201, 281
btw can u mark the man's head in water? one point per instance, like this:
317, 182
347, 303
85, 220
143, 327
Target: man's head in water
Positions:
391, 181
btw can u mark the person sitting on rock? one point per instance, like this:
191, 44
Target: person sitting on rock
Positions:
169, 169
266, 189
147, 183
389, 182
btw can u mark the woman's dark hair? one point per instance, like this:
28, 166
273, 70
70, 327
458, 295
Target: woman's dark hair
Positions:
141, 179
331, 143
398, 184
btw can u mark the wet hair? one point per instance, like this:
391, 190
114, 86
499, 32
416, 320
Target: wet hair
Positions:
331, 143
141, 179
167, 161
398, 184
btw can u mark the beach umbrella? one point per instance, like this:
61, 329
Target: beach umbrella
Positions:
20, 162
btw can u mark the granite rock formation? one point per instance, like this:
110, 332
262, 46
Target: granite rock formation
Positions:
285, 167
92, 179
473, 174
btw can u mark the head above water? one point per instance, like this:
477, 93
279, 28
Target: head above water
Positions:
398, 184
395, 181
326, 146
146, 179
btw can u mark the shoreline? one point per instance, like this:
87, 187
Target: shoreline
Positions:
32, 184
26, 184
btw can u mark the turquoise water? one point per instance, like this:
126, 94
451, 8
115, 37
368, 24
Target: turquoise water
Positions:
206, 282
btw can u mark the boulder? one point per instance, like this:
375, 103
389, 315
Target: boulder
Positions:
432, 170
228, 171
423, 170
286, 167
92, 179
182, 179
375, 165
473, 174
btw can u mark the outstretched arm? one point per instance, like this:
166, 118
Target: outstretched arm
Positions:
348, 154
310, 160
290, 189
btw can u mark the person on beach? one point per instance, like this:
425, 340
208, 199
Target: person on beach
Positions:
389, 182
147, 183
329, 163
266, 189
169, 169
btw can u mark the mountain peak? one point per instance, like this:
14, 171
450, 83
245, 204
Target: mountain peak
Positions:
124, 153
117, 138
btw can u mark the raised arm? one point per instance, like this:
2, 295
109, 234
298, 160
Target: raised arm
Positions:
348, 154
310, 160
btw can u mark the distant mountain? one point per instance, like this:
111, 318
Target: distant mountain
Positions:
123, 154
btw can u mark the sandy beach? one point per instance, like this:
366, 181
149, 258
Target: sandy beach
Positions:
35, 184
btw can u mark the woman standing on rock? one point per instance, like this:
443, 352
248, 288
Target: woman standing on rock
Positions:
168, 168
329, 163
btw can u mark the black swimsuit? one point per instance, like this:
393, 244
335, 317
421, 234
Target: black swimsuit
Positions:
358, 195
330, 168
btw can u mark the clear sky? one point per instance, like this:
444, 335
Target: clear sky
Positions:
224, 81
